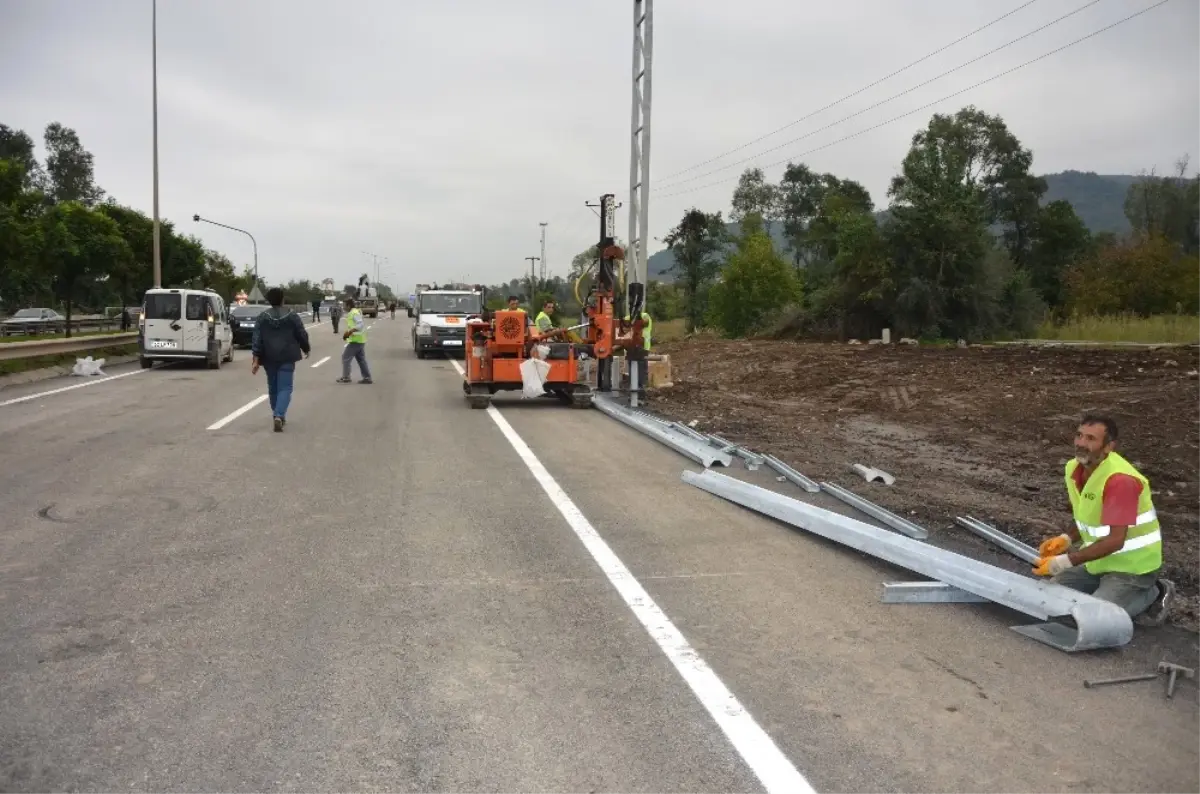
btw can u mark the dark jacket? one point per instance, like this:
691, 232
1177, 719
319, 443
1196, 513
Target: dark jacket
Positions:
279, 337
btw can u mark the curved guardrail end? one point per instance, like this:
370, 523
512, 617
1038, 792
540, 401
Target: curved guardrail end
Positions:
1098, 624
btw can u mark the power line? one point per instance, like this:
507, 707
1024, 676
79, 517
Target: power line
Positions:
882, 101
936, 101
859, 91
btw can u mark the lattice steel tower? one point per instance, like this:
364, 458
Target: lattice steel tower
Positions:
639, 157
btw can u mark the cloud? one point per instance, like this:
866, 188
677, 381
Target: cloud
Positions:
440, 134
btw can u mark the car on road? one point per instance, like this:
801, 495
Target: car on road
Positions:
179, 324
241, 322
34, 321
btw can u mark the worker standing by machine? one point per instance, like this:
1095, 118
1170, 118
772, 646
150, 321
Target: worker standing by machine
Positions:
356, 344
640, 358
1120, 553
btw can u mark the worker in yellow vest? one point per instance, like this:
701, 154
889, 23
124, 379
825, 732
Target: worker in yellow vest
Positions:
1120, 542
356, 344
639, 360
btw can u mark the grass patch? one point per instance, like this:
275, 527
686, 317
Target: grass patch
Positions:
64, 359
76, 335
1162, 328
668, 331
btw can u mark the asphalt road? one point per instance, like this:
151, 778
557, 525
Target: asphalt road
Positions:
399, 593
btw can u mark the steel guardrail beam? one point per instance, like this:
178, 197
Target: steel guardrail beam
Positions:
685, 445
1099, 624
50, 347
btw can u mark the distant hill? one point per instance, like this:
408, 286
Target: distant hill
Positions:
1098, 199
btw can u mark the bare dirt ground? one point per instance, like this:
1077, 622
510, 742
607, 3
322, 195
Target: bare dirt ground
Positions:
982, 430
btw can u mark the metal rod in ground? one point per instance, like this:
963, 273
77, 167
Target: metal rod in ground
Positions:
1123, 680
791, 474
882, 515
1006, 542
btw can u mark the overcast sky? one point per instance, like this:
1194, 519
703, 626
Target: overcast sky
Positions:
439, 134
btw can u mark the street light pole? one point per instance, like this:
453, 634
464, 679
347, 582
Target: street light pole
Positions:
543, 266
198, 219
154, 113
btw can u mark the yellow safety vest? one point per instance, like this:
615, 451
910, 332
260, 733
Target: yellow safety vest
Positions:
646, 329
354, 316
1142, 552
544, 323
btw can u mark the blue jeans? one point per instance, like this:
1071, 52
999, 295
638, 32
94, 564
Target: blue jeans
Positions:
279, 386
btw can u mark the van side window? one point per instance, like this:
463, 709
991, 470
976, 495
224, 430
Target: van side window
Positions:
196, 305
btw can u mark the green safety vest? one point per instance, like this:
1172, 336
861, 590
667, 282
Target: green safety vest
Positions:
544, 323
645, 330
358, 336
1142, 552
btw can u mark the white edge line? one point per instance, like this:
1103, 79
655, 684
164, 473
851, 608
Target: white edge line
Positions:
322, 361
91, 382
752, 743
217, 425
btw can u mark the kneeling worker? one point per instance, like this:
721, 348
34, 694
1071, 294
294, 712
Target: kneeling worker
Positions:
1120, 543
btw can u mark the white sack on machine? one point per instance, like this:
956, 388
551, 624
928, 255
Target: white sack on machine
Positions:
533, 377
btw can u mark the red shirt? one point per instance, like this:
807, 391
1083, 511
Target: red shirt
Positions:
1121, 494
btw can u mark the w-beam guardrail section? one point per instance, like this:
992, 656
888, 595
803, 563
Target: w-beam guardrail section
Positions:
1098, 624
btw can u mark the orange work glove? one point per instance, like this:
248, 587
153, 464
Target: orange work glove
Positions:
1055, 545
1052, 566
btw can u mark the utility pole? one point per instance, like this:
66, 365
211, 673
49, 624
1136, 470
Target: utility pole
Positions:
532, 278
154, 114
543, 225
639, 156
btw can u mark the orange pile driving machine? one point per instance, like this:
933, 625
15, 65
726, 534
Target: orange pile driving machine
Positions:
499, 342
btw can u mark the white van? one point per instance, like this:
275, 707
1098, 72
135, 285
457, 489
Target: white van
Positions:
184, 324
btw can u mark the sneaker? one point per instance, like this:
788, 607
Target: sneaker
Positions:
1156, 615
279, 424
343, 380
366, 380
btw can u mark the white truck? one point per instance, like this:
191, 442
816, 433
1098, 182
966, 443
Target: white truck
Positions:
441, 319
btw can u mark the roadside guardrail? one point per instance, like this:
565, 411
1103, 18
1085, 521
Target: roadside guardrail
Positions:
52, 347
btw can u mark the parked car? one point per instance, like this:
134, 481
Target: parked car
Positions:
35, 321
242, 319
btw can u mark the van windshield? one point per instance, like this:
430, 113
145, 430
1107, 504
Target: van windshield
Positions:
450, 304
162, 306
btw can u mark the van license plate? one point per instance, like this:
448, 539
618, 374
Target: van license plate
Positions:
452, 342
162, 344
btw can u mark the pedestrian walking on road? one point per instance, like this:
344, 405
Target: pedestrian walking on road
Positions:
316, 307
279, 341
356, 344
335, 314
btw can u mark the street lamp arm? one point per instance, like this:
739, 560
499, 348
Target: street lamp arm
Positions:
253, 242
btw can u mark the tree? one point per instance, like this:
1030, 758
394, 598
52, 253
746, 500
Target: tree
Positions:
1144, 276
21, 277
17, 146
81, 246
755, 283
695, 243
69, 167
1059, 240
861, 288
754, 195
976, 153
1167, 207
